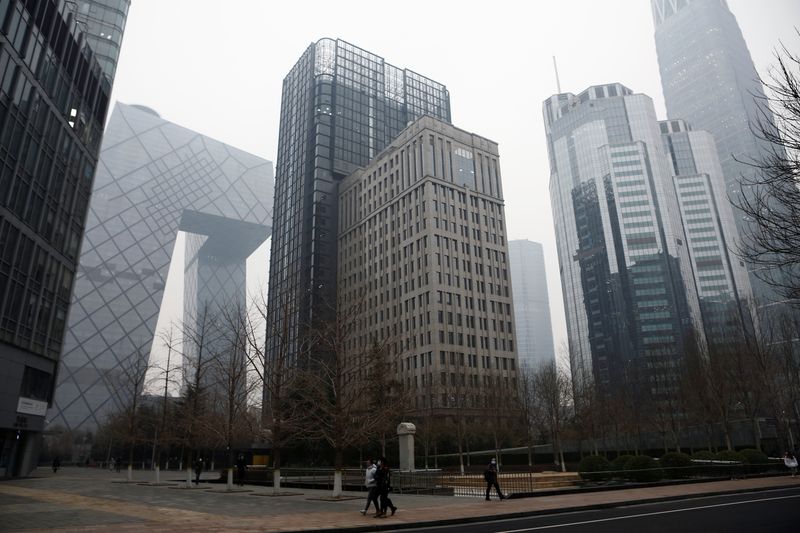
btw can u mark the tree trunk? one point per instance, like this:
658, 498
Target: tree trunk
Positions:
337, 475
230, 479
757, 433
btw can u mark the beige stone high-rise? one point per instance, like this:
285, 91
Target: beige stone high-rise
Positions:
422, 243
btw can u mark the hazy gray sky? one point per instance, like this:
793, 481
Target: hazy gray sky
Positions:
217, 67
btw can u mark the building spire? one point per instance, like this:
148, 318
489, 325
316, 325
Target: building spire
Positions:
558, 83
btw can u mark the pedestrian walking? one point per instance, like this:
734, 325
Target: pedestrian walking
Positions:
490, 475
118, 464
241, 467
790, 461
372, 488
198, 469
383, 480
56, 464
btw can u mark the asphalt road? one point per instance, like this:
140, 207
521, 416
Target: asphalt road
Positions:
773, 511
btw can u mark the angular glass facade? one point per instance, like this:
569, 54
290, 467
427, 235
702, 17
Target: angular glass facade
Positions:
103, 22
53, 102
154, 179
340, 107
628, 288
709, 80
531, 303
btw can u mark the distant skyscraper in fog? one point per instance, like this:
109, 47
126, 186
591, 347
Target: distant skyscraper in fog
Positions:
709, 80
531, 304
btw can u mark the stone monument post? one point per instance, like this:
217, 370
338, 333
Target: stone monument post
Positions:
405, 434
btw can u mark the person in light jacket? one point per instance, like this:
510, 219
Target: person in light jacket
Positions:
372, 486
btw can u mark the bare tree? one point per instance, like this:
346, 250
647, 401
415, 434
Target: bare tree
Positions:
199, 336
232, 381
527, 407
552, 390
338, 385
771, 197
166, 379
128, 382
280, 412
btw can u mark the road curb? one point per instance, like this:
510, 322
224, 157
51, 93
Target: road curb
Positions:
542, 512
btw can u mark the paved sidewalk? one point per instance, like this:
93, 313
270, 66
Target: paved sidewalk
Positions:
84, 500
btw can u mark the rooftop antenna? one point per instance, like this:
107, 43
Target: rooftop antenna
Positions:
558, 83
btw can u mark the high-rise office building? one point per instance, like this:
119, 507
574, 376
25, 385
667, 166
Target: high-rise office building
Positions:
628, 286
154, 179
103, 23
55, 96
340, 107
531, 303
422, 250
723, 286
709, 80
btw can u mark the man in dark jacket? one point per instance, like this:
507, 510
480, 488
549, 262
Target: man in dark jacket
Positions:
241, 467
198, 469
383, 481
490, 475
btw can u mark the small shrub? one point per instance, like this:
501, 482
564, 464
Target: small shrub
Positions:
757, 461
643, 468
594, 468
703, 455
676, 465
619, 463
729, 455
729, 470
704, 469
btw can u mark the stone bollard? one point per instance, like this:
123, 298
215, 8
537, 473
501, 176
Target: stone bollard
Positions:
405, 434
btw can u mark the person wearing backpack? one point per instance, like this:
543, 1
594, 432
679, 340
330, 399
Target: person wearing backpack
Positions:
490, 475
383, 480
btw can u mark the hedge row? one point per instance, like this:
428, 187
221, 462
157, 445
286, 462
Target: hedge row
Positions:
672, 465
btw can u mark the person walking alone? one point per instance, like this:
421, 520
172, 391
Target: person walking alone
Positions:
383, 480
198, 469
241, 467
490, 475
790, 460
372, 488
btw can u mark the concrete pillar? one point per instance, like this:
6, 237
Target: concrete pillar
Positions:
405, 434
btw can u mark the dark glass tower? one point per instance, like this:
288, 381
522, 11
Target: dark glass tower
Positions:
709, 80
54, 97
340, 107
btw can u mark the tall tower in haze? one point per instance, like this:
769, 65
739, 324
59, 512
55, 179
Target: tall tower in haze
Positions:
709, 80
531, 303
340, 107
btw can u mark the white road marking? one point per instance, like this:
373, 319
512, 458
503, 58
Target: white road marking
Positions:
553, 526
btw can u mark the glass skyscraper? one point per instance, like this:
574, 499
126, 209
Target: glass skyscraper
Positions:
629, 294
709, 80
531, 303
340, 107
154, 179
723, 286
54, 96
